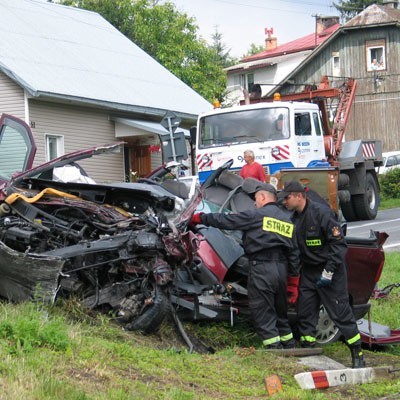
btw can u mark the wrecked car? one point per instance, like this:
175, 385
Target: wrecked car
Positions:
127, 248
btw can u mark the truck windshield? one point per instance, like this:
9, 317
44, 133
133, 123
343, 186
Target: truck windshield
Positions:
247, 126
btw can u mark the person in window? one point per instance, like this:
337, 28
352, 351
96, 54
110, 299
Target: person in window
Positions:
252, 169
374, 64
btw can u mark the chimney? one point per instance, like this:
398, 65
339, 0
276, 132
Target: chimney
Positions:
271, 42
391, 4
325, 23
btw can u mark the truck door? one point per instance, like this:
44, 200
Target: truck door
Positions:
309, 138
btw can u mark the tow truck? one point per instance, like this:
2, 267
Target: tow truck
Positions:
297, 135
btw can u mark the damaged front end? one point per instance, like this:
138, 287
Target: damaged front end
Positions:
114, 247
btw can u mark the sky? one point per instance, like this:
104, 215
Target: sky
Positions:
243, 22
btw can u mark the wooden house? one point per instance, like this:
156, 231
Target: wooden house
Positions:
366, 48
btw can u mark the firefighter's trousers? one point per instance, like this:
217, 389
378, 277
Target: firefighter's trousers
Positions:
335, 299
267, 299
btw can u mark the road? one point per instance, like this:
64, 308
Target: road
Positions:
386, 221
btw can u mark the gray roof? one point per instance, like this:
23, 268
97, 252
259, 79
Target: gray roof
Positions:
375, 15
68, 53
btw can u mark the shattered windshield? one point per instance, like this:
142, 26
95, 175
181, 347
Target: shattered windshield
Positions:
248, 126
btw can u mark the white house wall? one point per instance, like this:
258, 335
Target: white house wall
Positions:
81, 128
11, 97
270, 75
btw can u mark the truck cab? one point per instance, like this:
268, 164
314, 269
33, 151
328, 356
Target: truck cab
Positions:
282, 135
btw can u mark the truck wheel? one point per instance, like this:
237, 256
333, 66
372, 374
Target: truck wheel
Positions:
348, 211
366, 205
327, 331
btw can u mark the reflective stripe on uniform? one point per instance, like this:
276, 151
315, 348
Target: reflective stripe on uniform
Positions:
354, 339
273, 340
287, 337
277, 226
309, 339
313, 242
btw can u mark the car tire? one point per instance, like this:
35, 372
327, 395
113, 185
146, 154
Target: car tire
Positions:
153, 316
327, 331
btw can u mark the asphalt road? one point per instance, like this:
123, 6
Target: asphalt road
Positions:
386, 221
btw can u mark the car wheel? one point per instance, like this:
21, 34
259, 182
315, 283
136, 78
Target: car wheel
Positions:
327, 331
151, 314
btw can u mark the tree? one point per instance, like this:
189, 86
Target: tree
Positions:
254, 49
222, 56
350, 8
169, 36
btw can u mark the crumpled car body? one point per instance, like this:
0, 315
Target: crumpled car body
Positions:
111, 245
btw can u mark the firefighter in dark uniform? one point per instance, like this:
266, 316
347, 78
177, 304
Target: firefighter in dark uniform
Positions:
323, 271
269, 241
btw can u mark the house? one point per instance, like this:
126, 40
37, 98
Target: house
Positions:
268, 68
78, 82
366, 48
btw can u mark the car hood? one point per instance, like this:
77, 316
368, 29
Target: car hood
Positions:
66, 159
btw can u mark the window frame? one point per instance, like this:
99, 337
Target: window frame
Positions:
59, 146
371, 46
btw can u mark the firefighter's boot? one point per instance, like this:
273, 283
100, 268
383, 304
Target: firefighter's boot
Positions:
357, 357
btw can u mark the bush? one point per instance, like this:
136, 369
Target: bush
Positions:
390, 183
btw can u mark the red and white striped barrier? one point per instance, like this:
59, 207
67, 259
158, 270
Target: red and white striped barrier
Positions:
326, 379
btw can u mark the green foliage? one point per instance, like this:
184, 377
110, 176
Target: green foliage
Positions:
382, 310
170, 37
254, 49
32, 328
390, 183
349, 8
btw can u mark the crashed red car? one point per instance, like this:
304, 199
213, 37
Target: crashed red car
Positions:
126, 248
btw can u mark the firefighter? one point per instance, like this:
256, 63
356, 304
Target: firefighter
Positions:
269, 241
323, 269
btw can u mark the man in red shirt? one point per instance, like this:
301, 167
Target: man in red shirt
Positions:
252, 169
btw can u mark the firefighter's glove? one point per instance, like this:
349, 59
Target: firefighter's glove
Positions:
325, 279
292, 289
196, 219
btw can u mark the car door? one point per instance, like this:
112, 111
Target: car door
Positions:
17, 147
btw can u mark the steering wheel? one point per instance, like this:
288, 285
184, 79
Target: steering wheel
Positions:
211, 179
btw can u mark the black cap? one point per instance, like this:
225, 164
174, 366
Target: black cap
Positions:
265, 186
290, 187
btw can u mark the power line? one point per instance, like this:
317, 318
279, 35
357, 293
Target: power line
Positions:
274, 8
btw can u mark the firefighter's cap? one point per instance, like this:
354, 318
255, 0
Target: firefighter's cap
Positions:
290, 187
266, 187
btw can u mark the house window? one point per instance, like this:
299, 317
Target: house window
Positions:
250, 82
54, 146
247, 81
335, 64
376, 55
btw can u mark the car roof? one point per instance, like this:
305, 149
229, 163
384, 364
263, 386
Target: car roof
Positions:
390, 153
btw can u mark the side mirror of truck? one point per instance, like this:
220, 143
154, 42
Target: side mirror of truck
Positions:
193, 133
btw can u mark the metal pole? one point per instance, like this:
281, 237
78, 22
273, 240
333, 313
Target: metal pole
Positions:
171, 135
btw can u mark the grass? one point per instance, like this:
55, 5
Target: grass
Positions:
61, 353
387, 203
